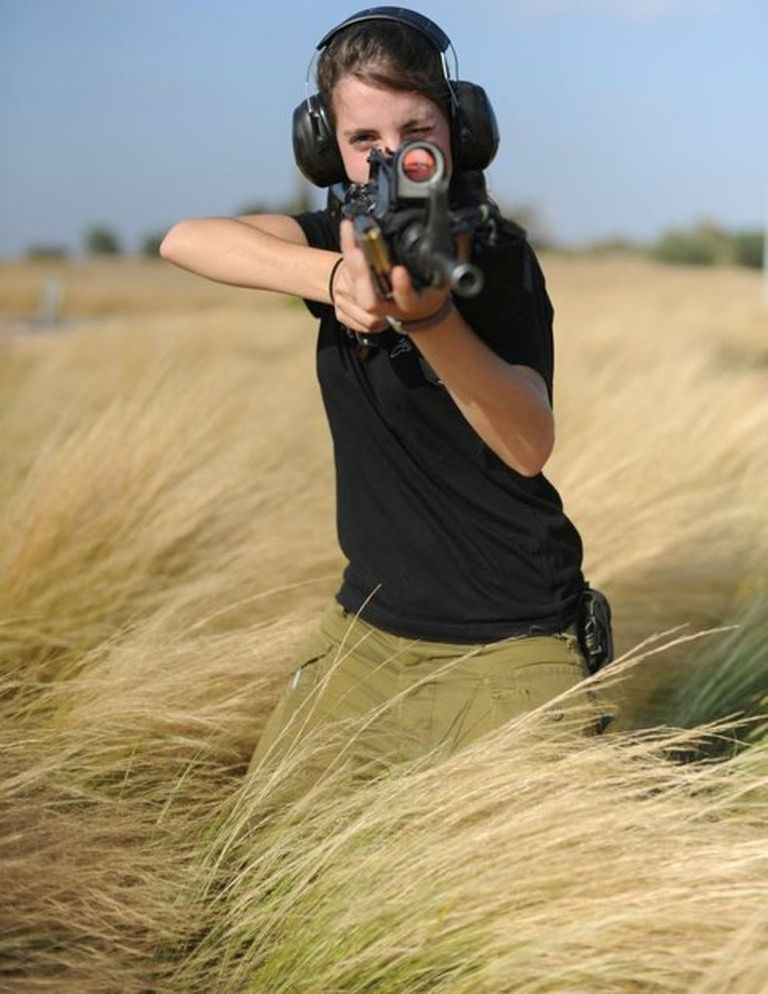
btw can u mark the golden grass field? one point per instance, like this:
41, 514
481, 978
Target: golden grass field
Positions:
167, 540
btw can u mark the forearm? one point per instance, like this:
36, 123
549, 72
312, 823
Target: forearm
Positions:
507, 405
230, 251
503, 403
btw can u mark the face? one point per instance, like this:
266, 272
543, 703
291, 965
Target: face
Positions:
369, 117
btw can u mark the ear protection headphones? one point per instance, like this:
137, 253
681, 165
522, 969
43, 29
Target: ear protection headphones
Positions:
474, 131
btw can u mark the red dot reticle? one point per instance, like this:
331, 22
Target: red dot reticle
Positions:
419, 165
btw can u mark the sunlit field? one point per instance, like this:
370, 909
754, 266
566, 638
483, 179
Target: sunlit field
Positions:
167, 540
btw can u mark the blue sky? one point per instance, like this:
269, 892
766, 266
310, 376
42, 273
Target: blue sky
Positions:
616, 116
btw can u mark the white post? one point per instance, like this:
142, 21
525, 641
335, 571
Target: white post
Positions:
50, 307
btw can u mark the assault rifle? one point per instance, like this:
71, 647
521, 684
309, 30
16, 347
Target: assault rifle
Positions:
402, 216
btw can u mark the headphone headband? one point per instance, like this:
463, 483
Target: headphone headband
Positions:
402, 15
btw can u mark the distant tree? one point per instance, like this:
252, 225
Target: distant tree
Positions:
150, 244
703, 245
44, 252
711, 234
679, 246
748, 248
100, 240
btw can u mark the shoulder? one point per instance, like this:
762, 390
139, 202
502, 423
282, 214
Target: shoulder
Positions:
512, 313
510, 265
321, 228
279, 225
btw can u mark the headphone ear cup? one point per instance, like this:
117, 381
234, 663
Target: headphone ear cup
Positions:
478, 132
314, 143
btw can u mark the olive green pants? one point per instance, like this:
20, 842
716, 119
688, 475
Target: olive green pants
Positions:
400, 698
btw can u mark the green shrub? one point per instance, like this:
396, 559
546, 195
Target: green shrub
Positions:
101, 241
706, 244
46, 252
703, 245
748, 248
150, 244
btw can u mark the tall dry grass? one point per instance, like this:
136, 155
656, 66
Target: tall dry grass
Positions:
662, 407
526, 863
166, 540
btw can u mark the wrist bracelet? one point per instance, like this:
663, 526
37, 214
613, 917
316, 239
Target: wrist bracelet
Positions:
421, 324
331, 276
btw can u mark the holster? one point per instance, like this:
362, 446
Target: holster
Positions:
594, 628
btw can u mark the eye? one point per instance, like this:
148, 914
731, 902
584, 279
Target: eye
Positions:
364, 138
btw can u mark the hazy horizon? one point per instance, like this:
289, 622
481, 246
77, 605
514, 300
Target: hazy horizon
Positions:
617, 119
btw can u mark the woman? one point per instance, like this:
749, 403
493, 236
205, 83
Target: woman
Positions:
457, 609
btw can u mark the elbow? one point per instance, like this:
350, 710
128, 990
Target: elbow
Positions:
531, 468
171, 246
530, 464
183, 241
530, 437
530, 459
539, 458
528, 468
537, 454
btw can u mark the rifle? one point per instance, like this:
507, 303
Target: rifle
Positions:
402, 216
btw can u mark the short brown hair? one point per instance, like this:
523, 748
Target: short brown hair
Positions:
384, 53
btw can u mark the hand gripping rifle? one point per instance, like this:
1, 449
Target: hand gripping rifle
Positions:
402, 216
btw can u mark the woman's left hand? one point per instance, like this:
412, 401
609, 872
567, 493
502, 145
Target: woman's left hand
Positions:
358, 303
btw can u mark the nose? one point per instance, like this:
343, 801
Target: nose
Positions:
391, 142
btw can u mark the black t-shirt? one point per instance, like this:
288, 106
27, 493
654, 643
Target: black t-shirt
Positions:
445, 542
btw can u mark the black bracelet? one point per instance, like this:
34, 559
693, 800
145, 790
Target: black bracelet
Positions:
330, 278
421, 324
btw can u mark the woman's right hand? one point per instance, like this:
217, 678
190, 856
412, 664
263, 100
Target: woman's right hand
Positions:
361, 307
349, 312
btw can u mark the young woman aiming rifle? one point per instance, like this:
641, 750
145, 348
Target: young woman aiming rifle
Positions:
458, 549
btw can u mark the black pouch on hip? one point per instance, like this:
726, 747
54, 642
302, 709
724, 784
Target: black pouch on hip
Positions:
594, 629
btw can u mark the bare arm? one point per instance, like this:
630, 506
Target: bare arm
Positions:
507, 405
262, 252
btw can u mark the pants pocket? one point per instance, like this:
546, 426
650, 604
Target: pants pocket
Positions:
531, 673
291, 714
532, 686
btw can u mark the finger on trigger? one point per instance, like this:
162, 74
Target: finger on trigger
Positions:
402, 288
346, 236
353, 254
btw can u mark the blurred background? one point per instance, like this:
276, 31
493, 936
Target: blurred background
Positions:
624, 122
